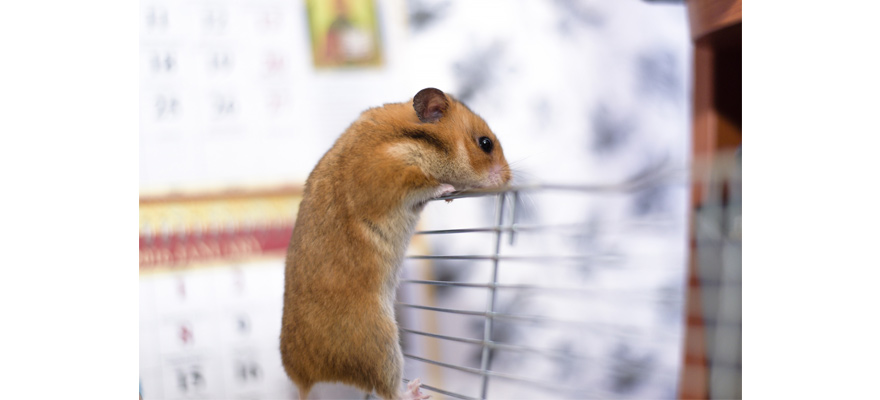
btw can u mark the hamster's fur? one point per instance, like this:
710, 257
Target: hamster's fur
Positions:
359, 209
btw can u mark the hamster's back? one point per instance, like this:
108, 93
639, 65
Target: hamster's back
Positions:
336, 326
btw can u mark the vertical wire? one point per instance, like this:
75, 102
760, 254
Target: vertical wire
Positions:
490, 308
512, 218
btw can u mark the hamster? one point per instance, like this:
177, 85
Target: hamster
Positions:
359, 209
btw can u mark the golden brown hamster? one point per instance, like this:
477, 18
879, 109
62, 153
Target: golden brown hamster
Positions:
359, 209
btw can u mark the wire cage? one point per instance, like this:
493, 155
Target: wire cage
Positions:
583, 309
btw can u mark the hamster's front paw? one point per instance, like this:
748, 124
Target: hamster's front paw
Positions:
445, 189
412, 391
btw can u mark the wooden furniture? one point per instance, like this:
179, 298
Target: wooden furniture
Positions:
716, 30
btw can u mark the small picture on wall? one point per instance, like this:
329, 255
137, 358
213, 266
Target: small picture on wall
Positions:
345, 33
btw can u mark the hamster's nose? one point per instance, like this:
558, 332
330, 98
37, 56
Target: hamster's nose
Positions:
498, 175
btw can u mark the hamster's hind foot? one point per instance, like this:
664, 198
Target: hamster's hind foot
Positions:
412, 391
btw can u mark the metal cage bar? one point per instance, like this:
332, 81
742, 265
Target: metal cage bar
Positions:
487, 374
489, 321
500, 346
515, 228
500, 286
491, 315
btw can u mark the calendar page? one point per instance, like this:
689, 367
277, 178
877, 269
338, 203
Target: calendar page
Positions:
252, 93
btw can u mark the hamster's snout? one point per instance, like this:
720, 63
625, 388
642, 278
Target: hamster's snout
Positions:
499, 175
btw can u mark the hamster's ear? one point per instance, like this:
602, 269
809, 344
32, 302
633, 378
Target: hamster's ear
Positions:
430, 104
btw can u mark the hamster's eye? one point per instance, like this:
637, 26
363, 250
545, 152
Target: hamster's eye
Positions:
485, 144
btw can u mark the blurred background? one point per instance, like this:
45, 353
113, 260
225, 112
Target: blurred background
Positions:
239, 100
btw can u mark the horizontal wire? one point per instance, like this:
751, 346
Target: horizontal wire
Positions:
528, 318
550, 321
501, 375
444, 310
447, 231
517, 228
510, 258
582, 291
499, 346
609, 258
444, 337
441, 391
455, 284
652, 179
470, 370
463, 257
